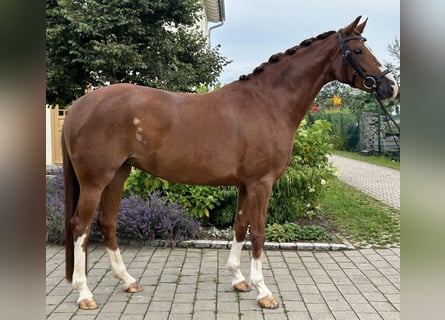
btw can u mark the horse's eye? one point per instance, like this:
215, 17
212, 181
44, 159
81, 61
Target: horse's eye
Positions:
358, 51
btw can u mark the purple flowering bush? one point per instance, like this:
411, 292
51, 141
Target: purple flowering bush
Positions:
155, 218
139, 219
55, 226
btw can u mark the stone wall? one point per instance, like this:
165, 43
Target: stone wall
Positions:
374, 134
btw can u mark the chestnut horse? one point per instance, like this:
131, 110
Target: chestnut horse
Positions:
240, 135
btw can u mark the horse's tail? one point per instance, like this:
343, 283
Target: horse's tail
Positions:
71, 199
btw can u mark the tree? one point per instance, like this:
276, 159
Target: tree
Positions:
334, 89
92, 43
394, 51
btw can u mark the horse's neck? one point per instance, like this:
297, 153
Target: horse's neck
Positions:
294, 82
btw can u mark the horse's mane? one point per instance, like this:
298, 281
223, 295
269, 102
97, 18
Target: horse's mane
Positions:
277, 57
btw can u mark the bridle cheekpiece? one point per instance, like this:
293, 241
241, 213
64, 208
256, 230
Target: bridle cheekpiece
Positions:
370, 81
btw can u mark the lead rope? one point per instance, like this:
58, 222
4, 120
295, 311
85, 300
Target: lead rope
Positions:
388, 117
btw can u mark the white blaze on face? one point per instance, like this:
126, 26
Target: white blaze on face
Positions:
395, 87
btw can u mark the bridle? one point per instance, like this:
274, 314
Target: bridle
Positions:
370, 81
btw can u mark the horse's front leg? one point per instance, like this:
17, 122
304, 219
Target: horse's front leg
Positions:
265, 298
242, 221
252, 208
260, 201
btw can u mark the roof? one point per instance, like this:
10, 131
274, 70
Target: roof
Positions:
214, 10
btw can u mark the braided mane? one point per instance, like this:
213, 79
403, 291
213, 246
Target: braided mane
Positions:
278, 56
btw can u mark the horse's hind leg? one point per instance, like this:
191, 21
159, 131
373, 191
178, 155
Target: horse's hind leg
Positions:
107, 221
89, 197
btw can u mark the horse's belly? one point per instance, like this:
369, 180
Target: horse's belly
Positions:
180, 164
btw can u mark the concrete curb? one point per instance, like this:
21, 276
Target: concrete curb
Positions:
222, 244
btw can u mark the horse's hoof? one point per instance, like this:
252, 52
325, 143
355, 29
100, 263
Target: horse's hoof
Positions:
88, 304
134, 287
268, 302
243, 286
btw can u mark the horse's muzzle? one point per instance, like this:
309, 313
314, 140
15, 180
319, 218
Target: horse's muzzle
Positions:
388, 88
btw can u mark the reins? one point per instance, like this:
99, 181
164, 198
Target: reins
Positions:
370, 81
388, 117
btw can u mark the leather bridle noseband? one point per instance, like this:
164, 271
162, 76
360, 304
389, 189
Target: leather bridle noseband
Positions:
370, 81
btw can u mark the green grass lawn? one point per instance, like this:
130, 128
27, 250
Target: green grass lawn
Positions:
360, 218
383, 161
348, 213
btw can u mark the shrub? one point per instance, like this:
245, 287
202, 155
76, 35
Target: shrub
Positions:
55, 228
345, 135
224, 215
299, 191
313, 232
198, 200
291, 232
138, 219
213, 233
155, 218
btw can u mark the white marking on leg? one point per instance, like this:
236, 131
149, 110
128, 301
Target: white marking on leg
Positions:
233, 263
79, 277
240, 212
136, 121
257, 279
118, 268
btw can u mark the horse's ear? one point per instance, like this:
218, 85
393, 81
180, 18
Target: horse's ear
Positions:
361, 26
350, 28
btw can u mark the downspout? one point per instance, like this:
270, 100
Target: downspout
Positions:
222, 17
212, 28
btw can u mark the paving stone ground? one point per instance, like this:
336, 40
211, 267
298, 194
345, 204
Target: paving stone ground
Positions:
379, 182
193, 284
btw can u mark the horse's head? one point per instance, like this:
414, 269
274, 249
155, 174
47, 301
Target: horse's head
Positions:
358, 67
